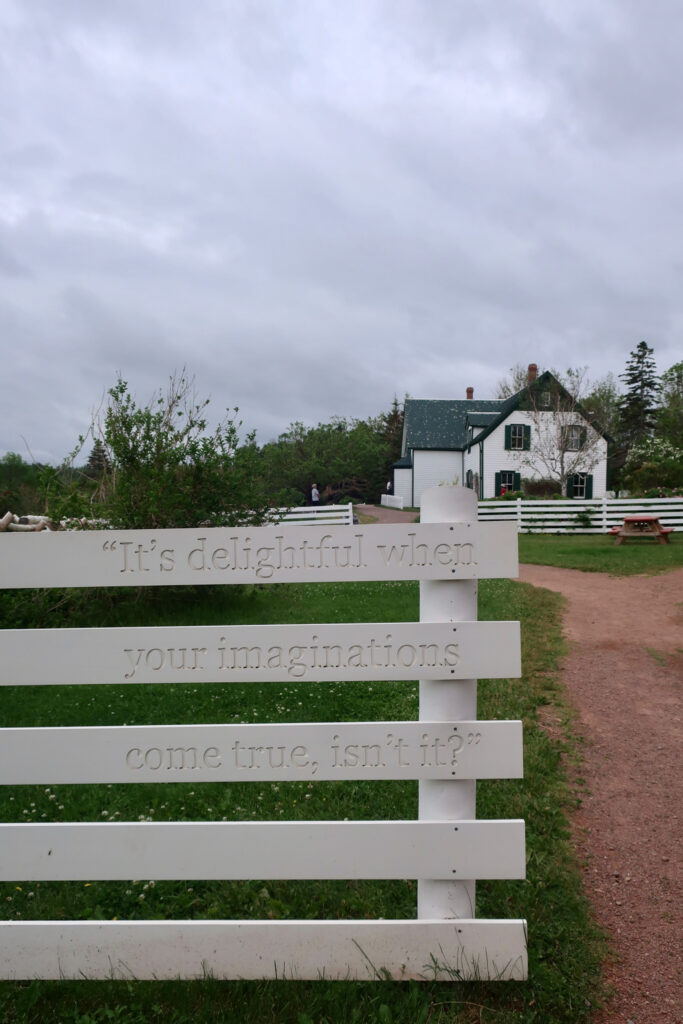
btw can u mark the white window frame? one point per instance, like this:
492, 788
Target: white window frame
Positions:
573, 438
579, 485
516, 437
507, 479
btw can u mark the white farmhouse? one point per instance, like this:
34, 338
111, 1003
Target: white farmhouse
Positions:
490, 446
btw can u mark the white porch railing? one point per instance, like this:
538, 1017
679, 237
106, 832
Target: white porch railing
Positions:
392, 501
596, 515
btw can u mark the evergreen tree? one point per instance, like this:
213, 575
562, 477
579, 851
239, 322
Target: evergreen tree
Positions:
98, 462
392, 429
638, 406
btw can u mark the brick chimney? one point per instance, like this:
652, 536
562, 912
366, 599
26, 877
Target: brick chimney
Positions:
470, 393
532, 373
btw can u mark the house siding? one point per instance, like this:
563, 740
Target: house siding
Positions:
497, 459
403, 485
432, 468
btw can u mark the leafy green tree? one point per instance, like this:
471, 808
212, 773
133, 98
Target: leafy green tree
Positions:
601, 405
669, 425
19, 485
638, 405
163, 468
346, 458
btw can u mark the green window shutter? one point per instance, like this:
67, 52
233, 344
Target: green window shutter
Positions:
583, 434
570, 487
508, 441
498, 481
527, 438
589, 485
517, 486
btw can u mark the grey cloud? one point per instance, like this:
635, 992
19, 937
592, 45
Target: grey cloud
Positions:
320, 206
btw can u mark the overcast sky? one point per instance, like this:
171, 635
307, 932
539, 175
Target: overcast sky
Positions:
316, 205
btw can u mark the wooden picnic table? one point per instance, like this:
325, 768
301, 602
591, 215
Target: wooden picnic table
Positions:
641, 526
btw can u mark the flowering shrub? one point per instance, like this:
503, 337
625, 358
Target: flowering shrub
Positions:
659, 492
654, 464
652, 449
509, 496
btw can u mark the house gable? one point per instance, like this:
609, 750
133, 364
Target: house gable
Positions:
480, 443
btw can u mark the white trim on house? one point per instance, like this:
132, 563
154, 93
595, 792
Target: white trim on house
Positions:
478, 452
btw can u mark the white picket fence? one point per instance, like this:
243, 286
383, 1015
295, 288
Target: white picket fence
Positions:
325, 515
392, 500
569, 516
446, 849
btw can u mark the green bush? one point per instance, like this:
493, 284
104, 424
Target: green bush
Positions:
653, 463
161, 468
540, 488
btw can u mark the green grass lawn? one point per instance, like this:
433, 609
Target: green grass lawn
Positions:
564, 948
599, 553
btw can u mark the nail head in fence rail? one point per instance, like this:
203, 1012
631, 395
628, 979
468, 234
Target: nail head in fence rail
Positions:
297, 554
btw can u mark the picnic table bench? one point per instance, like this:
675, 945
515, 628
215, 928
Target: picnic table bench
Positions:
641, 526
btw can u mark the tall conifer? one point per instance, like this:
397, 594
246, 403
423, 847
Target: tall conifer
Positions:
638, 406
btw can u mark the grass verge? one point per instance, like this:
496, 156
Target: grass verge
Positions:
565, 949
599, 553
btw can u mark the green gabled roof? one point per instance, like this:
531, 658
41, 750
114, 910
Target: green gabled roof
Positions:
404, 463
441, 424
547, 380
482, 419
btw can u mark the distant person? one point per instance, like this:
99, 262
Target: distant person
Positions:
389, 487
315, 495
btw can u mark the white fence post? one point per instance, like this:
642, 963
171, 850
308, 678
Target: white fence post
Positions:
443, 701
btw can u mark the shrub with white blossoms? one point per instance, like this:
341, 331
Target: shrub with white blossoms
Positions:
652, 449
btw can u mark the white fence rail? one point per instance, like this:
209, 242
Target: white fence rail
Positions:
446, 849
598, 515
392, 500
326, 515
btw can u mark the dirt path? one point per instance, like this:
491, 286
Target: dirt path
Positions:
386, 515
623, 674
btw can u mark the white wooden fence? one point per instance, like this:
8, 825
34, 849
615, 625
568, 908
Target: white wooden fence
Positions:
325, 515
580, 516
392, 500
446, 849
